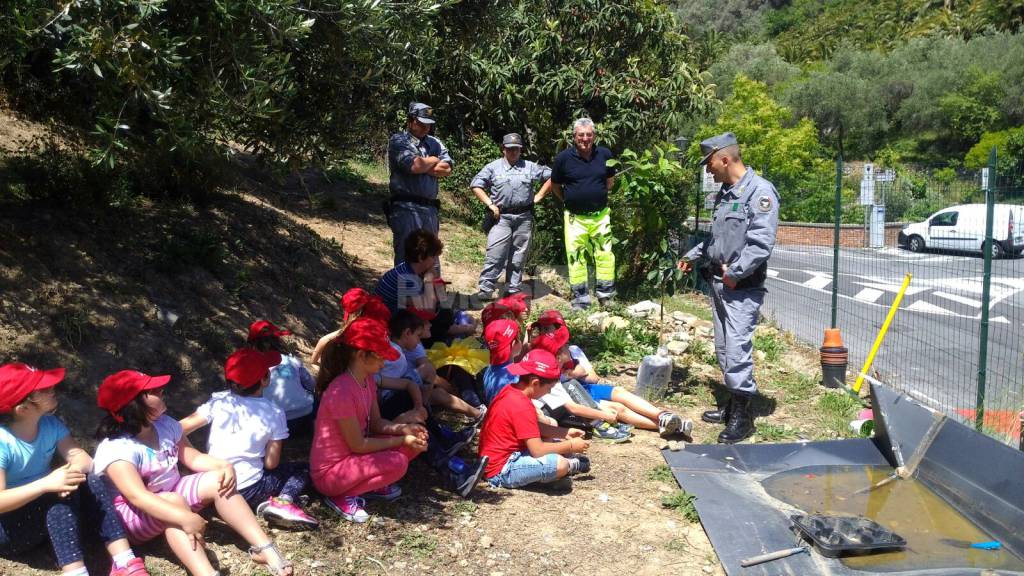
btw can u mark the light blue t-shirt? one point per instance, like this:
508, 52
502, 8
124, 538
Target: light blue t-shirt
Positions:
497, 377
25, 462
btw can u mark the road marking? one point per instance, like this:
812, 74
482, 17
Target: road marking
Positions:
868, 295
922, 306
968, 301
818, 282
894, 288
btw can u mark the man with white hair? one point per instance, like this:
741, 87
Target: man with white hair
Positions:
581, 177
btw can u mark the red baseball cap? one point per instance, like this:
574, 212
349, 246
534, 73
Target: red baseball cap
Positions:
19, 380
117, 390
499, 335
361, 303
369, 334
538, 362
247, 367
552, 341
549, 317
264, 329
512, 307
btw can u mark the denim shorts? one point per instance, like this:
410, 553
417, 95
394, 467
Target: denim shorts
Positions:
522, 469
599, 391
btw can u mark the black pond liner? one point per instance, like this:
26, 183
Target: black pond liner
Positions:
835, 536
977, 476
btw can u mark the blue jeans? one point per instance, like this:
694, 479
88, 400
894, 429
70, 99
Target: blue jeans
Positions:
522, 469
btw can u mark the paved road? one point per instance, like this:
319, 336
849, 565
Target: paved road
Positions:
933, 344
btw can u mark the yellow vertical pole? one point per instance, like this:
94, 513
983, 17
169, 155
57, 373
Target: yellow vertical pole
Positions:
881, 333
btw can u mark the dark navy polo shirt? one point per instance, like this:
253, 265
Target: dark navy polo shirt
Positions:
584, 182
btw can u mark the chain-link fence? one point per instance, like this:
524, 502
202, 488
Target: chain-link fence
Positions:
955, 342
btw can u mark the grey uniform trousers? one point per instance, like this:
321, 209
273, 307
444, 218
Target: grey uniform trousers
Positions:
406, 217
507, 244
734, 313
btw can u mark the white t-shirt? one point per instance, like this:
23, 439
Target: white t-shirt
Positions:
157, 468
557, 397
240, 429
403, 367
291, 387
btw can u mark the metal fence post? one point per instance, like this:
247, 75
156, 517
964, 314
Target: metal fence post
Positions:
986, 286
835, 238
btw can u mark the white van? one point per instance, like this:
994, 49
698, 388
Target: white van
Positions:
962, 228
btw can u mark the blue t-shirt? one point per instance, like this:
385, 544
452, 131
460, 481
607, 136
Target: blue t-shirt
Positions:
25, 462
584, 181
496, 378
397, 285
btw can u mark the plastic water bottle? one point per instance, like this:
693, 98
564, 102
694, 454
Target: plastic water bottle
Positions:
457, 465
654, 374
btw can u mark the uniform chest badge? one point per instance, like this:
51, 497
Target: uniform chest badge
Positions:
764, 203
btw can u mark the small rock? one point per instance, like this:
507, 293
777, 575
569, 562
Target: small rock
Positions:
463, 562
681, 336
644, 309
666, 490
597, 318
676, 445
759, 355
684, 317
497, 574
663, 445
166, 316
708, 569
614, 321
485, 542
677, 347
602, 497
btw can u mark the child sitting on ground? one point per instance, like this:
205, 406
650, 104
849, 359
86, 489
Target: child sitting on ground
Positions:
291, 385
140, 450
619, 404
248, 430
406, 330
511, 437
503, 341
355, 451
36, 502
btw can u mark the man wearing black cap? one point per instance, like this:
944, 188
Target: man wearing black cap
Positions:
734, 260
506, 187
415, 161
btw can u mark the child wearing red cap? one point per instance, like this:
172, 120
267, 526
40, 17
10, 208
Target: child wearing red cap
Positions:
140, 450
291, 385
511, 437
248, 430
355, 451
617, 405
36, 502
503, 340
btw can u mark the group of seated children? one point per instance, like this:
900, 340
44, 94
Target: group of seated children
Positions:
131, 488
539, 402
370, 409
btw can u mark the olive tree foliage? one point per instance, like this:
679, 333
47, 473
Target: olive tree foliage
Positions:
781, 148
534, 67
162, 84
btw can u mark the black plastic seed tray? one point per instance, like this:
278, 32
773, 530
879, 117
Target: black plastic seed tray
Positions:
836, 536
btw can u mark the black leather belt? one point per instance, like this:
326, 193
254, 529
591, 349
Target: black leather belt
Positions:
517, 209
434, 203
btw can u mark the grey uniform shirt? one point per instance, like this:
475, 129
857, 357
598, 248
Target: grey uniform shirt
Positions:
743, 228
403, 149
511, 186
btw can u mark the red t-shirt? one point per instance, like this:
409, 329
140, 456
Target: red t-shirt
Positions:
510, 422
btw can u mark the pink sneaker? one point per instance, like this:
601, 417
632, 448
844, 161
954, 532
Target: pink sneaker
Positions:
135, 567
282, 512
350, 507
386, 493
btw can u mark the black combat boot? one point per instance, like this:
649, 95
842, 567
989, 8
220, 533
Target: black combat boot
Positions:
741, 421
719, 415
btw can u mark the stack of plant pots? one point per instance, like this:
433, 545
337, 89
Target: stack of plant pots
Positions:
834, 359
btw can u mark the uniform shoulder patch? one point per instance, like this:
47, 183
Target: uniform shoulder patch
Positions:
764, 203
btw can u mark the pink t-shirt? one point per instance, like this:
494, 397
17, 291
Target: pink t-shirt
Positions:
344, 398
